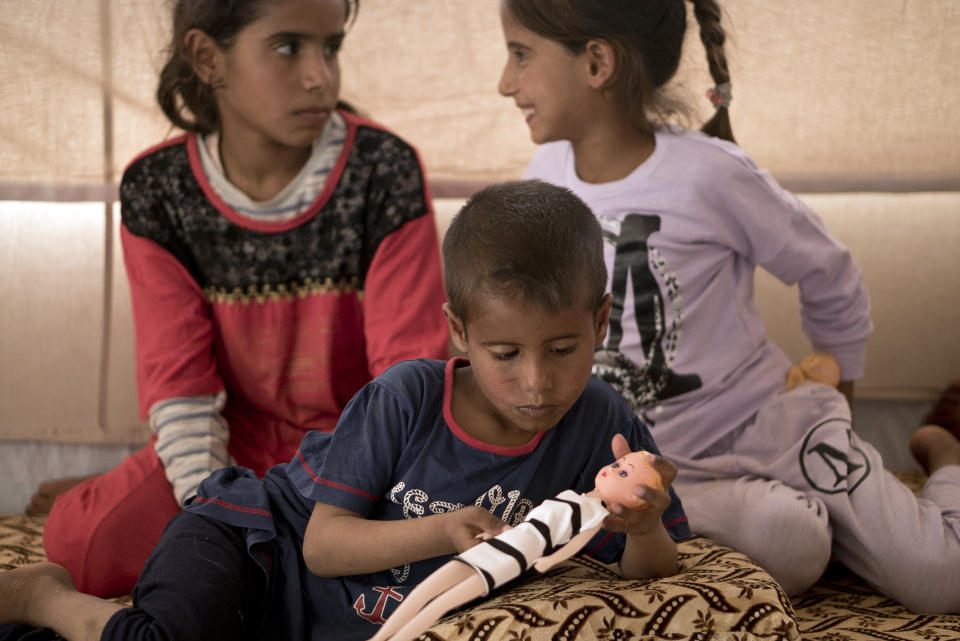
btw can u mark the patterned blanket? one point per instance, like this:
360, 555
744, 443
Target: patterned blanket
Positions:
719, 595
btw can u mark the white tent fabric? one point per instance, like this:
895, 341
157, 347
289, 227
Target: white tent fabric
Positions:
842, 97
828, 95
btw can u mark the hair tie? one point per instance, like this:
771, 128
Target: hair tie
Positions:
720, 95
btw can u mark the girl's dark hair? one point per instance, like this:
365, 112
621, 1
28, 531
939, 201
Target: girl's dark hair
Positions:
527, 240
647, 36
185, 99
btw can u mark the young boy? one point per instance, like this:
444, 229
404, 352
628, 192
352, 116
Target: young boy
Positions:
424, 459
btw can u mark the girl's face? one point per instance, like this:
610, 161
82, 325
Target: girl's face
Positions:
547, 82
528, 366
281, 77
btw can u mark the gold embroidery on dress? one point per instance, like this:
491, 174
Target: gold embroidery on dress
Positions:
283, 291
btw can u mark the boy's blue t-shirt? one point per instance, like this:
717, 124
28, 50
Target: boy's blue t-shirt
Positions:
397, 453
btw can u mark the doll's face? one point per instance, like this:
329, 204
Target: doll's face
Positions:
616, 482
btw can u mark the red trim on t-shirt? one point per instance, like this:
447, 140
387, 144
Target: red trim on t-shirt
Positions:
458, 431
599, 546
333, 484
231, 506
679, 519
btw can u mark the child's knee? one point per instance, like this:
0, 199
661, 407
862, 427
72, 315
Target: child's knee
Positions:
104, 538
783, 530
794, 545
67, 534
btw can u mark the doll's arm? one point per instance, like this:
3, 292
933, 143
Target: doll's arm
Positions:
565, 551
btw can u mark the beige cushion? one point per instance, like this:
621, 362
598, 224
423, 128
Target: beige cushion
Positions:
717, 591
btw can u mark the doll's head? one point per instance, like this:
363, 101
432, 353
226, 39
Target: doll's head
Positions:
616, 482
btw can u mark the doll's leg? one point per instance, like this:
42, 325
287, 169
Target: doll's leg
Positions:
439, 582
466, 590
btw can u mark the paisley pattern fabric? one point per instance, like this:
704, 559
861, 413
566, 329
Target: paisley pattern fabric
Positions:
719, 595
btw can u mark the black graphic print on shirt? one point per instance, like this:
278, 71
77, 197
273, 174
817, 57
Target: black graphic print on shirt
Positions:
653, 380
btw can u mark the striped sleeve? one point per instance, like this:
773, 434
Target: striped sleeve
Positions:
192, 438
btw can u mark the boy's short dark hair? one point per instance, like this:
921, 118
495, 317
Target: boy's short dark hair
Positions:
528, 239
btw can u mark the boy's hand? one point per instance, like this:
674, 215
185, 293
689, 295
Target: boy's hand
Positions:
645, 518
468, 526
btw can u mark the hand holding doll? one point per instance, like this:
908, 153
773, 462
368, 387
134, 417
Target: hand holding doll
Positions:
630, 495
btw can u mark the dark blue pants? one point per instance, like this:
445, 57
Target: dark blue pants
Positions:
199, 583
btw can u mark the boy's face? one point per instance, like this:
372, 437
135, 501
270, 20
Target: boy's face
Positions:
528, 366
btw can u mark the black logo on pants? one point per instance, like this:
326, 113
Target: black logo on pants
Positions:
829, 460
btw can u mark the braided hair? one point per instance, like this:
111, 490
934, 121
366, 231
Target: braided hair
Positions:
647, 37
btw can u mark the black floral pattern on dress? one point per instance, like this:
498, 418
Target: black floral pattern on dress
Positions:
380, 189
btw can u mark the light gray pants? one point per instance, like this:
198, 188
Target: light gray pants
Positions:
797, 484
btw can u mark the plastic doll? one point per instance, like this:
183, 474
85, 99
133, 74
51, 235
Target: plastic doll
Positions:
820, 367
553, 531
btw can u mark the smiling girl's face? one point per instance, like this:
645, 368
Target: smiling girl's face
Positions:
547, 82
616, 482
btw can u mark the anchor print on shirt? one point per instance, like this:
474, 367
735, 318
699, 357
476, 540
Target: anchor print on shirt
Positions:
653, 380
376, 614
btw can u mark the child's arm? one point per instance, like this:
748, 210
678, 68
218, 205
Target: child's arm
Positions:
339, 542
846, 388
648, 556
650, 551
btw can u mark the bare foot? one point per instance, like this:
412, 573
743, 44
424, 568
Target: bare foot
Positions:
933, 447
946, 413
47, 493
21, 589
